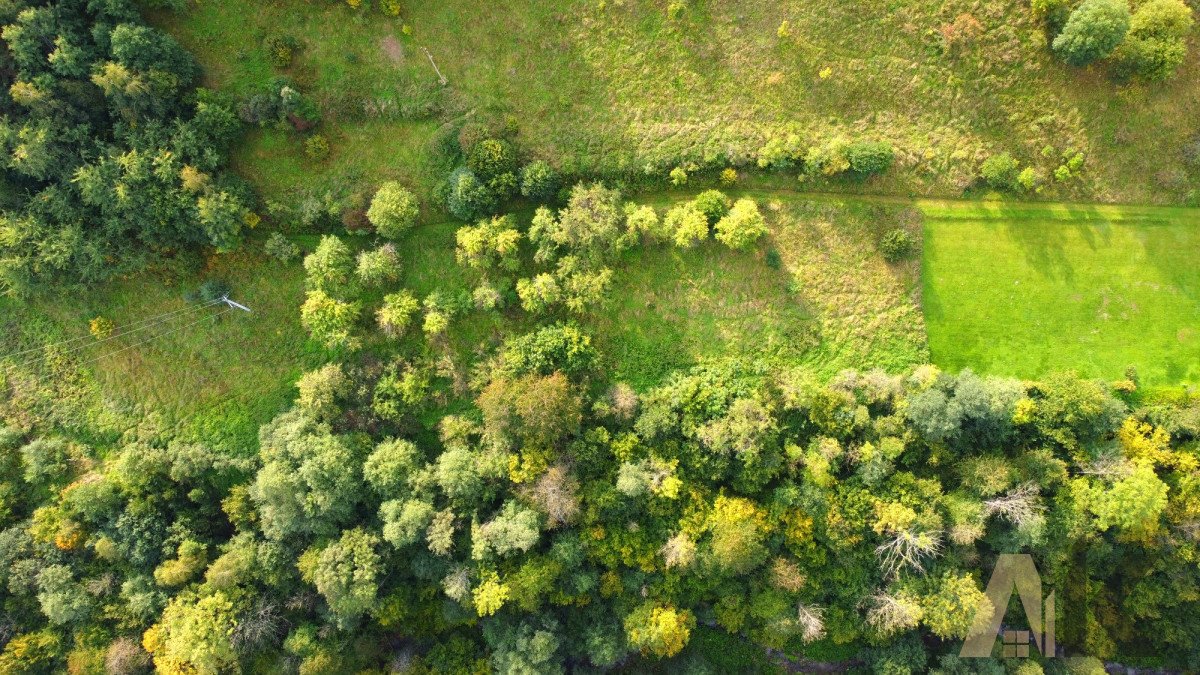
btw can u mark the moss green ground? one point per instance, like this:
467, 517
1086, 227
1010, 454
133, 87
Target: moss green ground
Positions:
1026, 290
619, 85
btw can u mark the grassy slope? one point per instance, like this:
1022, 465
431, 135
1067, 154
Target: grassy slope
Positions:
341, 64
616, 85
832, 304
1025, 290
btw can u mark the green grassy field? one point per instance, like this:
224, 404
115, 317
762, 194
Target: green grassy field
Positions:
204, 375
1026, 290
829, 303
626, 86
833, 304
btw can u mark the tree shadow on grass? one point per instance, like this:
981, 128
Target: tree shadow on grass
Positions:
670, 309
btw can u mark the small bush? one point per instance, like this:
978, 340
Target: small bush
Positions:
729, 176
492, 157
101, 328
397, 312
870, 158
280, 49
828, 158
774, 260
281, 248
316, 147
713, 204
643, 221
781, 153
687, 224
1030, 179
539, 293
393, 210
539, 181
488, 296
378, 267
896, 245
504, 186
743, 226
679, 176
213, 289
298, 110
1000, 171
466, 197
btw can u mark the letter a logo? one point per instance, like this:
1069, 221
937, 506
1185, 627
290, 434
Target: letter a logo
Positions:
1013, 571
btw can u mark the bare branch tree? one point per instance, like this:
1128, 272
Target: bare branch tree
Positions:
890, 613
679, 551
908, 549
811, 620
125, 657
1111, 466
261, 625
457, 584
1020, 506
555, 494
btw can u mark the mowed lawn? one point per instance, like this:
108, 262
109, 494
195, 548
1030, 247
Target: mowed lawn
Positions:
1025, 290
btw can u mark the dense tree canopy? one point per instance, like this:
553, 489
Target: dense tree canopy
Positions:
111, 156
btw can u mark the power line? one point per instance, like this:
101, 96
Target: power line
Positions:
124, 329
80, 366
150, 322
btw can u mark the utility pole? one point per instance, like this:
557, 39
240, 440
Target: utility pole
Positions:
441, 77
225, 299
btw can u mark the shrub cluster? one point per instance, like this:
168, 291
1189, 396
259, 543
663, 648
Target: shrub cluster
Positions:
1148, 43
492, 174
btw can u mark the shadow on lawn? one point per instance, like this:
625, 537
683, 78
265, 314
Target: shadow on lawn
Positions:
1043, 231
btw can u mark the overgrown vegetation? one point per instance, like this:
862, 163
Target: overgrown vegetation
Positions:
716, 85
